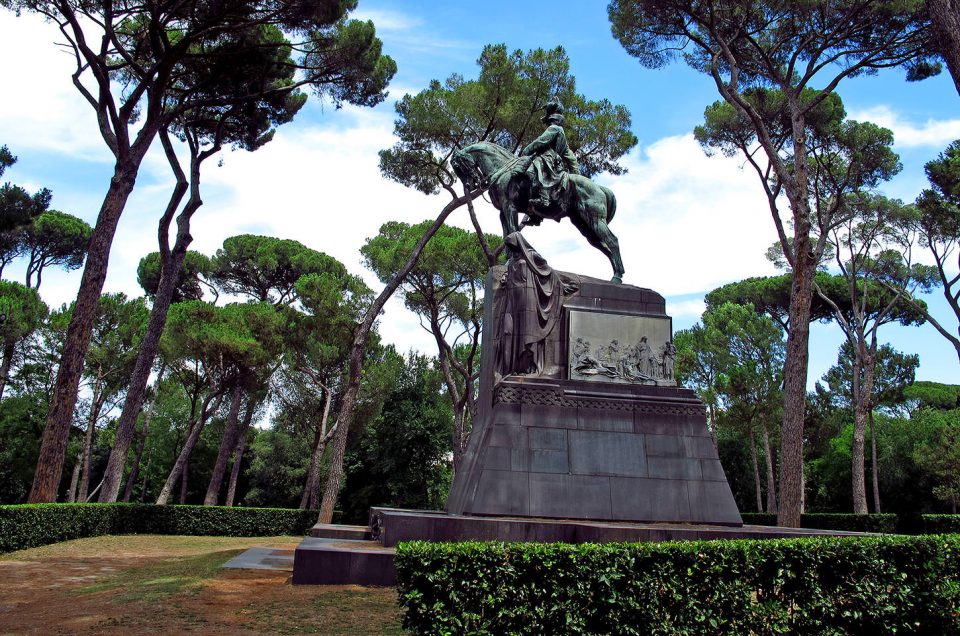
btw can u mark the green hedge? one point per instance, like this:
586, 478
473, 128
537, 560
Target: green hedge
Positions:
852, 585
881, 523
30, 525
939, 524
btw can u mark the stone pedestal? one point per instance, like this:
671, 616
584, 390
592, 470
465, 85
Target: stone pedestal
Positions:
608, 438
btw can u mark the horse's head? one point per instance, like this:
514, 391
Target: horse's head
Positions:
466, 169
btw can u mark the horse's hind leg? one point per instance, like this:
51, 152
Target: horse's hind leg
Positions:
592, 223
613, 245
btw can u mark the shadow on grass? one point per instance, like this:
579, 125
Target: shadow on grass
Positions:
160, 578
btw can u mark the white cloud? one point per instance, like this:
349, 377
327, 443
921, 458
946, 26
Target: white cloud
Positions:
686, 222
686, 308
387, 19
48, 112
907, 134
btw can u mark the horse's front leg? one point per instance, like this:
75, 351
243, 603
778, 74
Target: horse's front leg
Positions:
509, 216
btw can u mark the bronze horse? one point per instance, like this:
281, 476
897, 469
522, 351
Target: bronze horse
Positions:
590, 207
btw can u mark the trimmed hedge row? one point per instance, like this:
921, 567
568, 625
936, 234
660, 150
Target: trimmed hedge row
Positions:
850, 585
31, 525
880, 523
939, 524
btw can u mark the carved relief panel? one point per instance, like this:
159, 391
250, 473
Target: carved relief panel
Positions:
607, 347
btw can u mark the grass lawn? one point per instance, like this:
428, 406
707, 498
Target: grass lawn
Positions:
150, 584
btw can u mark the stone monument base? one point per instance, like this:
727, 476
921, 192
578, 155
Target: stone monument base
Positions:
363, 555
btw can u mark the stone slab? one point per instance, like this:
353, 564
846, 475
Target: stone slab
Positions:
262, 559
410, 525
338, 562
339, 531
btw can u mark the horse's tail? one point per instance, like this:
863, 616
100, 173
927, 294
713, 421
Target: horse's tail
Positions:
611, 202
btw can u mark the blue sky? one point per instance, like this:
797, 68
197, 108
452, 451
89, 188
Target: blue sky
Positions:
687, 222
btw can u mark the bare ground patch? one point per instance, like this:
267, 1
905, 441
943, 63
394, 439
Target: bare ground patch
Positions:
160, 585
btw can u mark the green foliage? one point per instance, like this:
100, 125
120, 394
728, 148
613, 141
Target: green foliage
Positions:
933, 395
31, 525
189, 282
23, 310
885, 523
22, 418
54, 238
17, 208
278, 468
941, 458
503, 105
734, 359
266, 268
940, 524
400, 459
231, 341
893, 376
806, 586
905, 485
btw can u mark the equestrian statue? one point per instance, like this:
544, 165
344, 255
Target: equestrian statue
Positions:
544, 182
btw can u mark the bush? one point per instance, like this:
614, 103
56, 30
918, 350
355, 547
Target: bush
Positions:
939, 524
881, 523
903, 585
30, 525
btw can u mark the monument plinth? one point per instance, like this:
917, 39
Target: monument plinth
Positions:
599, 431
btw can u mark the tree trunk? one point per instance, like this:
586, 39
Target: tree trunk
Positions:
135, 469
945, 16
756, 470
874, 467
235, 470
180, 465
184, 479
771, 472
170, 263
319, 446
75, 478
146, 474
241, 446
8, 352
227, 444
95, 405
862, 385
345, 419
57, 431
795, 390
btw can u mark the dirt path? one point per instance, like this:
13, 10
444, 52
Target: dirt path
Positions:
164, 585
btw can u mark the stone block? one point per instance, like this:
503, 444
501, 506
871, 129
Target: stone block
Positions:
594, 419
674, 468
602, 453
508, 437
548, 416
570, 496
712, 470
506, 414
547, 438
712, 502
665, 446
649, 499
701, 447
548, 461
502, 493
497, 458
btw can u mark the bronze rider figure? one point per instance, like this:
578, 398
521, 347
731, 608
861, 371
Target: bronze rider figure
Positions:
550, 161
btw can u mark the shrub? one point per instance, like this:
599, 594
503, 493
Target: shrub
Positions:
30, 525
939, 524
880, 523
903, 585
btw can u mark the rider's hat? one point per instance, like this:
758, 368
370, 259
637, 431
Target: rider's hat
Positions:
554, 112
